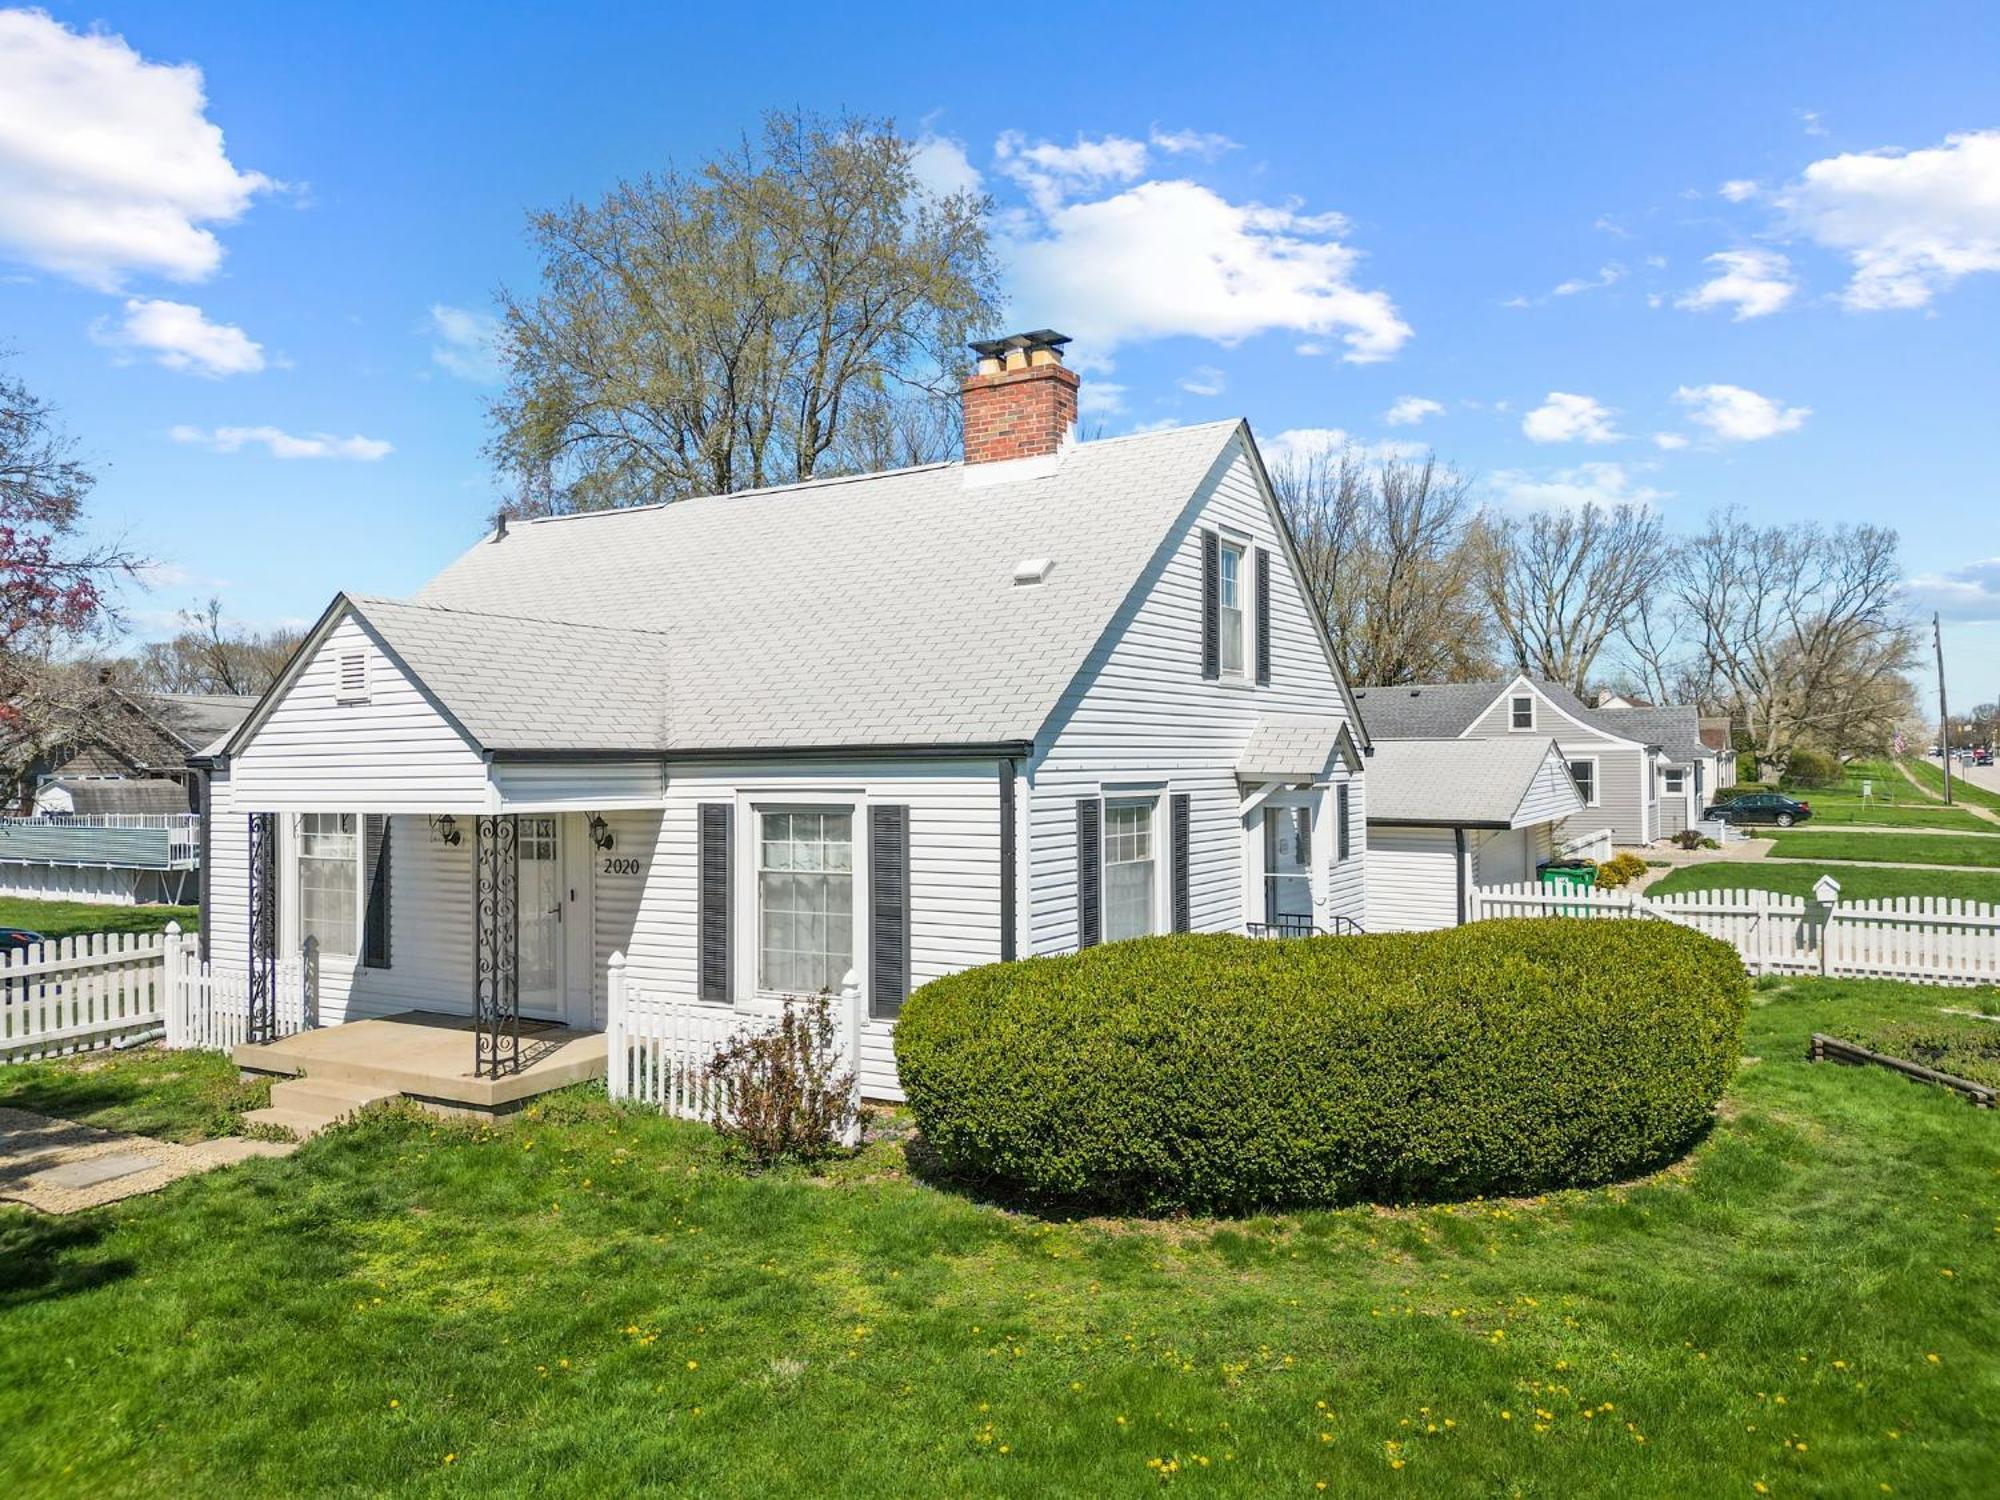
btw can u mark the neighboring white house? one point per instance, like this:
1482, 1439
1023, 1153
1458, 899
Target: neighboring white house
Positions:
1446, 816
1057, 694
1614, 755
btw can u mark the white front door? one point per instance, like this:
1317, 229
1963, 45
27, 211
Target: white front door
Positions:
543, 945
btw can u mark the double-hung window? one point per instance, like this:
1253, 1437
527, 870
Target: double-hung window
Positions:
1584, 773
805, 900
1674, 781
329, 874
1522, 711
1233, 610
1130, 869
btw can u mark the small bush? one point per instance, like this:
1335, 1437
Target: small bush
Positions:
1216, 1073
1747, 768
1620, 869
1810, 768
1691, 838
1962, 1046
1742, 789
783, 1095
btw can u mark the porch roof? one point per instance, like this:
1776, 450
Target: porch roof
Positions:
1295, 747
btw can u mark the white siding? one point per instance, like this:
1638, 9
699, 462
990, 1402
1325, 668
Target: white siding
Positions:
1551, 795
1622, 803
954, 876
395, 753
589, 785
96, 884
1504, 857
1412, 879
1140, 713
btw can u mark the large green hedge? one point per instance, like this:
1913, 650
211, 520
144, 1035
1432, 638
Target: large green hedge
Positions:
1214, 1073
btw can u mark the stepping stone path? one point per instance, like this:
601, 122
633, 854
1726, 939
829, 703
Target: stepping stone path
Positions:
59, 1166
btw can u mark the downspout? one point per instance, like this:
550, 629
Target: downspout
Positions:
204, 882
1458, 839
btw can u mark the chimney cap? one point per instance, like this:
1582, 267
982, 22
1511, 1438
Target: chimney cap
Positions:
1041, 338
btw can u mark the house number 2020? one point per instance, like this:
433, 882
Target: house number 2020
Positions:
621, 867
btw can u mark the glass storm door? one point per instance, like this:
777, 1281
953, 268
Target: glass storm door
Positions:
541, 970
1288, 898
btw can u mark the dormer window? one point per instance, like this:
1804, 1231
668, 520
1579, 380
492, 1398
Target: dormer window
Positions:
351, 677
1234, 615
1522, 709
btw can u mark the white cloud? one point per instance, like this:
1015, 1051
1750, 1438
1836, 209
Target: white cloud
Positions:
1669, 441
1100, 398
1753, 282
281, 444
1302, 444
1737, 415
1567, 418
1738, 189
1167, 257
1051, 173
1970, 594
1601, 484
1606, 276
179, 336
1809, 120
108, 163
467, 343
1910, 222
1206, 144
1410, 410
942, 167
1204, 380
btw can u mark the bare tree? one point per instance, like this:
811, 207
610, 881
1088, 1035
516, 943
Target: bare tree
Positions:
209, 655
1562, 583
1806, 628
1388, 559
758, 321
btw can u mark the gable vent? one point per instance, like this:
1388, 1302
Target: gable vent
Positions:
1032, 570
351, 677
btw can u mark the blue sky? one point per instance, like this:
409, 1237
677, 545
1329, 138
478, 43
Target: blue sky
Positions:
1713, 255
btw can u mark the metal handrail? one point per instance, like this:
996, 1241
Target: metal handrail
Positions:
1303, 927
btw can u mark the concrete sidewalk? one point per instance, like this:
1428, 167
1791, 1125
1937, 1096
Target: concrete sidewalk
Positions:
59, 1166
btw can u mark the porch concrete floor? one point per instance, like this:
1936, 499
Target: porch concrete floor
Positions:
429, 1058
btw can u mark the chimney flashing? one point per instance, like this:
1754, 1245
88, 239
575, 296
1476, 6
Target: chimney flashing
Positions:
1021, 401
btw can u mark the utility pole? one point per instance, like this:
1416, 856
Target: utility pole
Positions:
1944, 713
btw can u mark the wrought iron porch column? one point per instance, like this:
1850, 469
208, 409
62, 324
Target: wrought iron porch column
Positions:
261, 1025
496, 923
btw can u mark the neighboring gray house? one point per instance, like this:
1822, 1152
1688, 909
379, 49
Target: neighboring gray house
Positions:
1615, 761
896, 724
1448, 816
1688, 769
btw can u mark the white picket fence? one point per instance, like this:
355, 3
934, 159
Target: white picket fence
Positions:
104, 989
1932, 939
658, 1046
81, 992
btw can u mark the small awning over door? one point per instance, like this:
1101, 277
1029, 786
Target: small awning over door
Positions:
1296, 747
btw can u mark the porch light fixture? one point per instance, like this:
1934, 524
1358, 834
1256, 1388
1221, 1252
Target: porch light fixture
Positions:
600, 832
445, 830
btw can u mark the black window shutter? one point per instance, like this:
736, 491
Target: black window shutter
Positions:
1180, 817
1263, 615
1211, 605
888, 909
1089, 870
1340, 821
712, 902
375, 867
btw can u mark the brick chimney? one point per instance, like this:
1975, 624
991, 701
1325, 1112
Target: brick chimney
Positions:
1021, 402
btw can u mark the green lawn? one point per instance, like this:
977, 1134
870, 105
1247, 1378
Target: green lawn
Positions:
177, 1096
1931, 774
1857, 882
591, 1302
67, 918
1835, 809
1898, 848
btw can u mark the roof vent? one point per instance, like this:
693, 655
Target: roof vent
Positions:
1032, 570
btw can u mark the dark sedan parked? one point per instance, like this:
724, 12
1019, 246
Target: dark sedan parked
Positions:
18, 939
1761, 807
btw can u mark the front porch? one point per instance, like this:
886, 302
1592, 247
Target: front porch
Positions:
418, 1055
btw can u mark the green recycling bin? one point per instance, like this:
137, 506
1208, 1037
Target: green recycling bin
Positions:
1578, 875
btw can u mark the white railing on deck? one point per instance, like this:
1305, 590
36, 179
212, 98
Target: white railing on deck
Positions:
1594, 846
76, 993
1933, 939
658, 1046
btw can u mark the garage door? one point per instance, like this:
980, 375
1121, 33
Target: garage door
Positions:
1412, 879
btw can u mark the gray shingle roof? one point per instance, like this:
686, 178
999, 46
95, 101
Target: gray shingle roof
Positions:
1287, 747
1424, 710
524, 684
876, 610
1468, 782
138, 794
1675, 728
197, 718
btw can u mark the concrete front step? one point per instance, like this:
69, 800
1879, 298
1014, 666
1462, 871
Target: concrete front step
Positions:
306, 1106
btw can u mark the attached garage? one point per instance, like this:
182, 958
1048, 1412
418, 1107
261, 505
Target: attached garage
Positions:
1446, 816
